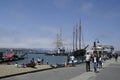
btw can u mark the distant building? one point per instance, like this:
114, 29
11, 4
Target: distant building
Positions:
103, 49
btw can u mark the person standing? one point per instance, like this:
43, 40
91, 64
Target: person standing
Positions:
72, 59
42, 60
87, 58
47, 62
116, 56
39, 61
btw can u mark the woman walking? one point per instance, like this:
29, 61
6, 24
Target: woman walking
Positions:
94, 59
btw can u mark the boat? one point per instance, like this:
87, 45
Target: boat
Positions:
59, 47
7, 60
56, 54
78, 51
10, 57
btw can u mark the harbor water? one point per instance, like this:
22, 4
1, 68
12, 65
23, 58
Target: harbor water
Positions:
46, 58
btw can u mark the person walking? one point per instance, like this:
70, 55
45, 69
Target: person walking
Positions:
100, 62
87, 58
94, 59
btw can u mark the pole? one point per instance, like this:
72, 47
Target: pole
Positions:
94, 47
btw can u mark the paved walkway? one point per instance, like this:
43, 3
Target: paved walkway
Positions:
11, 70
93, 76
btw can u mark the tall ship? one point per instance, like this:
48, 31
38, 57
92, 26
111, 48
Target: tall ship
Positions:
59, 46
78, 50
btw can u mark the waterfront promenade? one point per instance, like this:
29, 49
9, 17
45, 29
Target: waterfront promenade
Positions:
11, 70
110, 71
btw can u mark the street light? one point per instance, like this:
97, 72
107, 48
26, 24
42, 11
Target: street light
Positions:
94, 46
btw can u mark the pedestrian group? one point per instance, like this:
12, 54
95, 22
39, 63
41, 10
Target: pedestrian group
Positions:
97, 60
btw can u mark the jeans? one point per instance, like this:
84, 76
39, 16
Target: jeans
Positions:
95, 66
100, 64
87, 66
73, 63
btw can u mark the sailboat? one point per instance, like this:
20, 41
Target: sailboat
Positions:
78, 52
59, 46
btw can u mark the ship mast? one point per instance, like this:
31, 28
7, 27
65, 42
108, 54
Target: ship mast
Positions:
77, 32
59, 42
73, 39
76, 37
80, 35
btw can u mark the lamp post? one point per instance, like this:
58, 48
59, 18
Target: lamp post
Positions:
94, 46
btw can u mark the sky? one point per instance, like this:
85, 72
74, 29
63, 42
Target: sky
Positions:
35, 23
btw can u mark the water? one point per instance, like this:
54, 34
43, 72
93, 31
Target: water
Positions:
50, 59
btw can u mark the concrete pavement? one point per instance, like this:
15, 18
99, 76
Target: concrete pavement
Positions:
11, 70
65, 73
110, 71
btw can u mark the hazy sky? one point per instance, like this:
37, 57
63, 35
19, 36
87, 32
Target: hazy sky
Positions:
35, 23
